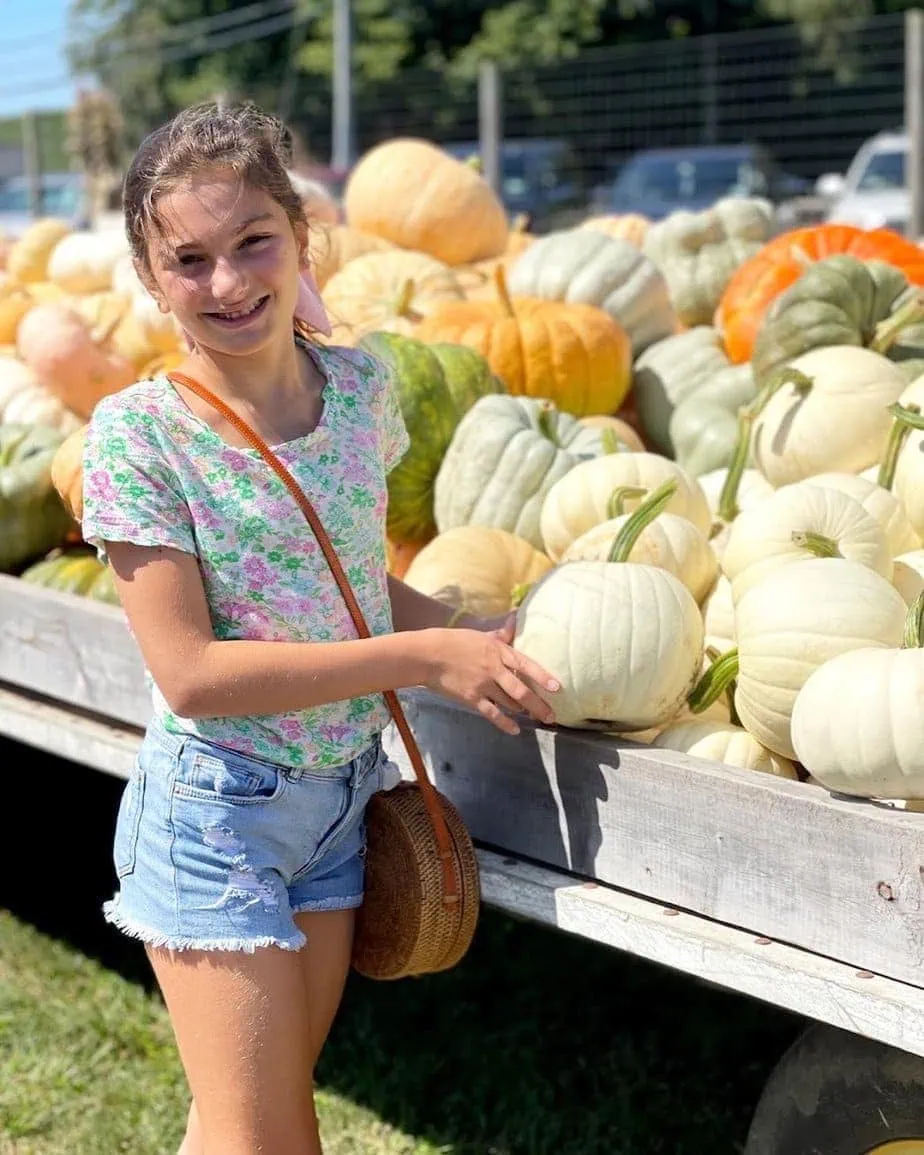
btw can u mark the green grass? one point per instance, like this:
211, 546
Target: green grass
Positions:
537, 1044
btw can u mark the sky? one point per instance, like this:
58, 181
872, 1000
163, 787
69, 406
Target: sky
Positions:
33, 71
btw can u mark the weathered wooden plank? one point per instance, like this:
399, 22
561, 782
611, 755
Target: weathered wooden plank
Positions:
72, 649
775, 973
782, 859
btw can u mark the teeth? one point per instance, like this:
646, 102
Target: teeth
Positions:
240, 313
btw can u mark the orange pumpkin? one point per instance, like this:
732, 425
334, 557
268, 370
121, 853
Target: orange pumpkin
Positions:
577, 356
67, 472
477, 280
400, 554
630, 227
419, 197
332, 247
760, 280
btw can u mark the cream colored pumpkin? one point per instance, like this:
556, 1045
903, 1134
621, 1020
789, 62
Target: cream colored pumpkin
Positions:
390, 291
908, 481
28, 258
84, 262
670, 543
15, 377
726, 743
625, 641
795, 620
476, 568
857, 723
622, 430
752, 488
879, 502
331, 247
781, 530
833, 417
908, 574
581, 499
585, 267
36, 406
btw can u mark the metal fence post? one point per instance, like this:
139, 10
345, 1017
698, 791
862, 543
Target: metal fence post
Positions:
31, 162
343, 128
490, 127
914, 117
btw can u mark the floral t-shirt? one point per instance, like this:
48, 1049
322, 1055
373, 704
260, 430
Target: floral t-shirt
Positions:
156, 474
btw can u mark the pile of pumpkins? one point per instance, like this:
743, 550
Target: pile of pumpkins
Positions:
687, 453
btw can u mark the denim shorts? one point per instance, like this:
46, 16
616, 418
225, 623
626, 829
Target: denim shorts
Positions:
215, 850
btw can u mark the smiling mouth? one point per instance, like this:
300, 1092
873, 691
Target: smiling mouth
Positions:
235, 317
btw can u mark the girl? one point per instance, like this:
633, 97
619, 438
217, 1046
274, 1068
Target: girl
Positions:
239, 840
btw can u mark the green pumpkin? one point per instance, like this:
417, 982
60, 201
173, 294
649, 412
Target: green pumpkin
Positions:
435, 384
32, 518
505, 456
75, 570
704, 426
671, 371
841, 301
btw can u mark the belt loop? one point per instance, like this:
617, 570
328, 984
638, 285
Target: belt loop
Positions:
293, 773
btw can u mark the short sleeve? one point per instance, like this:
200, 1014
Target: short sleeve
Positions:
393, 434
130, 493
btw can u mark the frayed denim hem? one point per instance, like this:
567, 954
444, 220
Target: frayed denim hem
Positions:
160, 941
316, 905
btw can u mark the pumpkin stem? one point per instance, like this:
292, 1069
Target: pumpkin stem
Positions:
403, 303
747, 415
616, 506
713, 654
632, 527
609, 442
816, 543
888, 331
715, 682
544, 421
503, 293
474, 162
518, 594
907, 417
520, 223
913, 634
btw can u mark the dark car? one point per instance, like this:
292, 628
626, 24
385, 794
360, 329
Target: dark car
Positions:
539, 178
657, 182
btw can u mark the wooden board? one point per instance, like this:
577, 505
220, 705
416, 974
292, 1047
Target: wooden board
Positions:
780, 859
784, 976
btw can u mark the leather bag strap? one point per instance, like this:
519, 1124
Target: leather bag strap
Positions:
434, 809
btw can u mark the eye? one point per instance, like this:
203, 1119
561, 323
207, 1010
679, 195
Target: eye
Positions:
189, 259
256, 238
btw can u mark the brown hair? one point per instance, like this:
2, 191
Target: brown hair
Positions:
240, 137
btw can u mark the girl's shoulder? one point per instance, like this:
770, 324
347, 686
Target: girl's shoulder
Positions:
352, 370
139, 413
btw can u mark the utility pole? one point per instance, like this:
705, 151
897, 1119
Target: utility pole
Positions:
343, 128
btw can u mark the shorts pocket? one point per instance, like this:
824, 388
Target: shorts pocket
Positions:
227, 777
128, 823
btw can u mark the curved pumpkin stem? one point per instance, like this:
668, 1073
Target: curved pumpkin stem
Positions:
816, 543
913, 635
631, 529
616, 506
888, 331
713, 684
403, 303
544, 418
907, 417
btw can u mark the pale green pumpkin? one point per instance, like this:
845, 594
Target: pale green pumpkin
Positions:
32, 518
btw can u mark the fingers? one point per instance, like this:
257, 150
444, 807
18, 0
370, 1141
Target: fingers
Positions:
525, 667
494, 714
522, 698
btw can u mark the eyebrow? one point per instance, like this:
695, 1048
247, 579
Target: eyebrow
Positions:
259, 218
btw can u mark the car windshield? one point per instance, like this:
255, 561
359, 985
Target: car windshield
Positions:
686, 178
885, 170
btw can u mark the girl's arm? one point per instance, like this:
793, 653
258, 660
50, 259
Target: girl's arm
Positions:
199, 676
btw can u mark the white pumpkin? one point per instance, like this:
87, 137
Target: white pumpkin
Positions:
883, 505
724, 742
719, 616
625, 641
582, 266
908, 574
796, 619
583, 497
15, 377
37, 406
905, 474
83, 262
752, 487
857, 723
799, 522
832, 416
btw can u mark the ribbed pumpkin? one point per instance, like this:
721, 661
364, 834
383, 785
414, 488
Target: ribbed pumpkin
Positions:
631, 227
390, 291
32, 518
332, 247
73, 571
435, 385
782, 261
477, 568
419, 197
582, 266
576, 356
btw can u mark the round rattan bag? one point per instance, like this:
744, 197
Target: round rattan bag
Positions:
421, 892
420, 908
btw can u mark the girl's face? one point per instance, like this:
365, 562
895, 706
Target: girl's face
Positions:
225, 262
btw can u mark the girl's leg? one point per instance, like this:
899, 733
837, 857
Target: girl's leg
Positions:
324, 964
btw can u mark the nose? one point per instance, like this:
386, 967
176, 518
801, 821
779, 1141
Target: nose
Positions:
228, 283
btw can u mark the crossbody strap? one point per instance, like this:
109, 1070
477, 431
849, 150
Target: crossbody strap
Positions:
435, 810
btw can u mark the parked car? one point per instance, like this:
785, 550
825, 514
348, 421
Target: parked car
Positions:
61, 196
657, 182
873, 193
539, 177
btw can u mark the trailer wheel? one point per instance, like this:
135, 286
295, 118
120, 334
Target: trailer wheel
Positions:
835, 1093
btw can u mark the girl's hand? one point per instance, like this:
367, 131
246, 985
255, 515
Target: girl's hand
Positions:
481, 669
